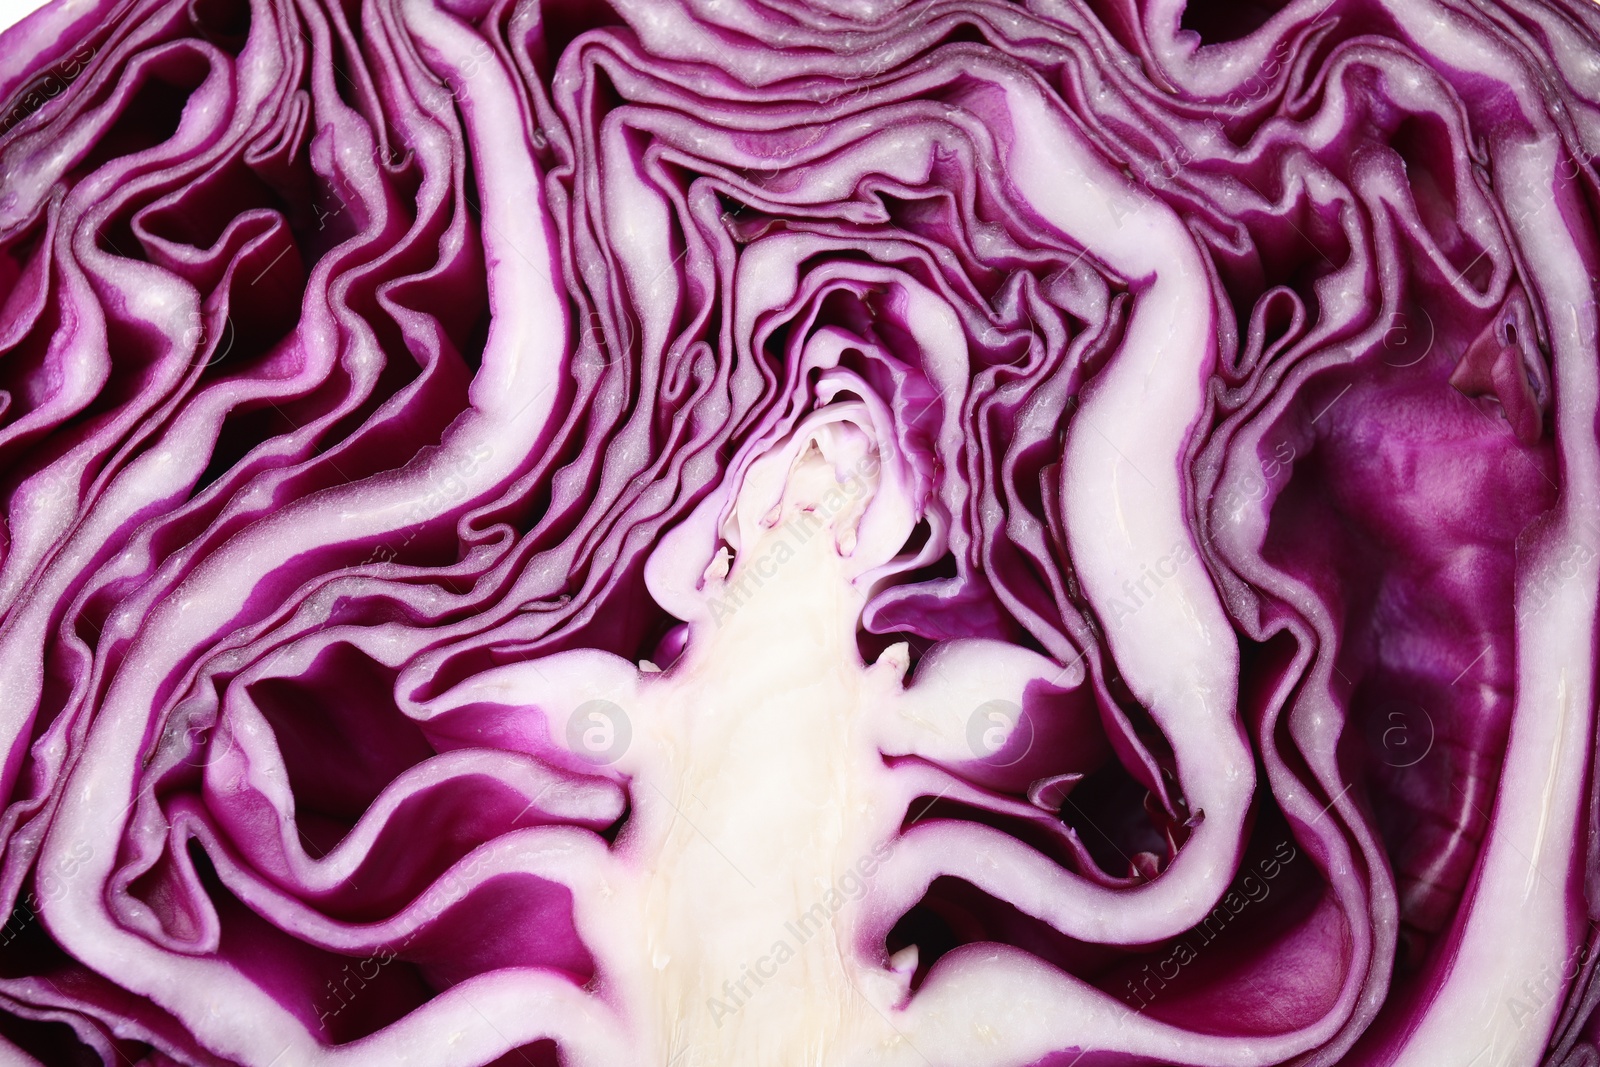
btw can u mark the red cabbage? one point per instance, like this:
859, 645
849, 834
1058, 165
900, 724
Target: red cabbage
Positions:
767, 532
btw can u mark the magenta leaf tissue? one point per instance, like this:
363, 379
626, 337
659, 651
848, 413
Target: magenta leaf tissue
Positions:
800, 533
